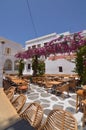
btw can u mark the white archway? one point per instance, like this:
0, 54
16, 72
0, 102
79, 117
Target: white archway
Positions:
8, 65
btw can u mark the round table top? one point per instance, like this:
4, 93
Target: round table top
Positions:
23, 87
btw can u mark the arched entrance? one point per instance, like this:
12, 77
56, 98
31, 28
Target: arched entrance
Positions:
8, 65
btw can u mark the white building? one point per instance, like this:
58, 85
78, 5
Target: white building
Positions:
56, 66
8, 61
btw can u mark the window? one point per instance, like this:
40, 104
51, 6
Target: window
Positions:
29, 66
39, 45
7, 51
34, 46
45, 44
29, 48
60, 69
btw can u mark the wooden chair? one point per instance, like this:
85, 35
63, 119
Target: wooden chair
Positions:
10, 94
34, 80
19, 102
72, 85
84, 111
59, 119
11, 88
6, 84
33, 114
80, 95
48, 85
63, 88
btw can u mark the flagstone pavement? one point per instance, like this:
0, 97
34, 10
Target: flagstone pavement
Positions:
50, 101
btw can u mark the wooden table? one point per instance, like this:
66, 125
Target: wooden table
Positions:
54, 82
9, 119
18, 81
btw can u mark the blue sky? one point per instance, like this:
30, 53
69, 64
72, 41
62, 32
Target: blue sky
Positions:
48, 16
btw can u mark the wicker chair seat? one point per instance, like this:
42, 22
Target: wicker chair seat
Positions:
59, 119
19, 102
33, 114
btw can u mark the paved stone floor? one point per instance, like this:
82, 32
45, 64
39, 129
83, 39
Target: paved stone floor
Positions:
50, 101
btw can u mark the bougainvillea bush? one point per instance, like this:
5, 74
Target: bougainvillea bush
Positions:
62, 44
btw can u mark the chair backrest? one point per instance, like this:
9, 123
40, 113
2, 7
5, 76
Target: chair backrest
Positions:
48, 85
59, 119
19, 102
11, 88
10, 94
64, 87
72, 84
33, 114
6, 84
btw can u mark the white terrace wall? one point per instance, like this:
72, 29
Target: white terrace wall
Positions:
52, 67
40, 40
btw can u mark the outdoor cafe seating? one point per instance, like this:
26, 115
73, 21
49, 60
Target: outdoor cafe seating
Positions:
33, 115
21, 85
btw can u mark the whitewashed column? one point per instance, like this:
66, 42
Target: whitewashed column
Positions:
25, 67
1, 62
0, 65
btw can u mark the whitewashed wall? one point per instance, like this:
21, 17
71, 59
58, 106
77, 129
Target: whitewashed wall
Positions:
1, 64
15, 47
52, 67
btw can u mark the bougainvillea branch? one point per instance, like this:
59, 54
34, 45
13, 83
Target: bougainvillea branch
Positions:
63, 44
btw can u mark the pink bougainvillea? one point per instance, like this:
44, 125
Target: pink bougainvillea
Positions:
68, 43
